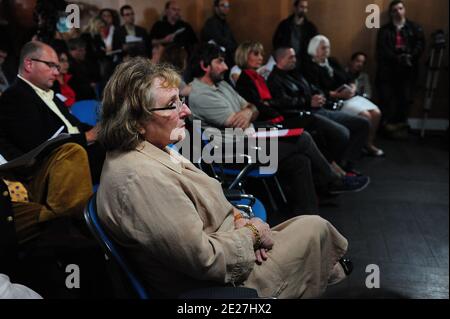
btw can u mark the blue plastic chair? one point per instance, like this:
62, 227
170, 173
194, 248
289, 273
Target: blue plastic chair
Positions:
86, 111
112, 251
249, 171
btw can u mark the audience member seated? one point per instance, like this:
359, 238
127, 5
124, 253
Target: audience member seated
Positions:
295, 32
131, 36
92, 36
61, 85
171, 29
109, 33
110, 38
363, 88
57, 186
361, 79
214, 101
4, 84
177, 57
264, 71
174, 221
328, 75
217, 29
345, 134
85, 73
400, 45
30, 113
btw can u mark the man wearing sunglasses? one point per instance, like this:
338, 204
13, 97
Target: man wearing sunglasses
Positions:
30, 112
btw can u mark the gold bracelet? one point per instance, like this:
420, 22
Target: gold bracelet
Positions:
255, 232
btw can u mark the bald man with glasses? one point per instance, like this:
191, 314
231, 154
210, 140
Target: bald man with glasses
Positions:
31, 113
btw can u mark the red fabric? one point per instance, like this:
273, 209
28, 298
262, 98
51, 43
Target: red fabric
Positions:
294, 132
105, 32
277, 120
399, 41
260, 84
67, 91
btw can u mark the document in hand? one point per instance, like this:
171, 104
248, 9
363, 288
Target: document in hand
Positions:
29, 159
179, 31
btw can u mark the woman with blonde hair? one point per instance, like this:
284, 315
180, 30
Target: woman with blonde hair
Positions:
174, 221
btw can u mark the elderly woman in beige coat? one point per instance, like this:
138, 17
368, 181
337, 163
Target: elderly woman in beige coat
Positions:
174, 221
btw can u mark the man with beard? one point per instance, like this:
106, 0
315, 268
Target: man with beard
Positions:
295, 32
214, 101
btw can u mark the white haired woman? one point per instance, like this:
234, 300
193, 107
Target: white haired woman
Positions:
327, 74
174, 221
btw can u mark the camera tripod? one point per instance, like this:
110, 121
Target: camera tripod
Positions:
434, 67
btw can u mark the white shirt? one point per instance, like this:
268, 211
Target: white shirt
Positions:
9, 290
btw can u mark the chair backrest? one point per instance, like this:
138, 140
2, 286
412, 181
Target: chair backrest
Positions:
86, 111
110, 248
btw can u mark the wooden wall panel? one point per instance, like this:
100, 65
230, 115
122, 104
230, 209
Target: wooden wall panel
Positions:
343, 21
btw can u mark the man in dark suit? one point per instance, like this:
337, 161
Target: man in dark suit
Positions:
30, 112
59, 184
132, 38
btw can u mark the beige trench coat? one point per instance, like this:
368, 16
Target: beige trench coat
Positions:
178, 228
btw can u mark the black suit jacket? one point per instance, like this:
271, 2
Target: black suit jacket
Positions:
290, 89
26, 121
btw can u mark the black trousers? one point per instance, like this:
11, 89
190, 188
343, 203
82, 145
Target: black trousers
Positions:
345, 131
303, 167
396, 87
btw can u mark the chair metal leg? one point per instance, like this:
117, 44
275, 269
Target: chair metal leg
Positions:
271, 199
280, 189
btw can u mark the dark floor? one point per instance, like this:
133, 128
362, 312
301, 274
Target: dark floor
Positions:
399, 223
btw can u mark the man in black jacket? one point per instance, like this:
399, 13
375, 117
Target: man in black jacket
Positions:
172, 29
132, 38
400, 44
296, 31
345, 134
30, 112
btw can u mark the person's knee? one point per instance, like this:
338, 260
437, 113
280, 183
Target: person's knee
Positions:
297, 162
366, 114
316, 224
342, 134
376, 113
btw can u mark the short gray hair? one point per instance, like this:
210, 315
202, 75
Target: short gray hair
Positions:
32, 49
315, 43
128, 99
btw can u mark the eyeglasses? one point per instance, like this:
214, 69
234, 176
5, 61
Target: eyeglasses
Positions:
175, 105
51, 65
